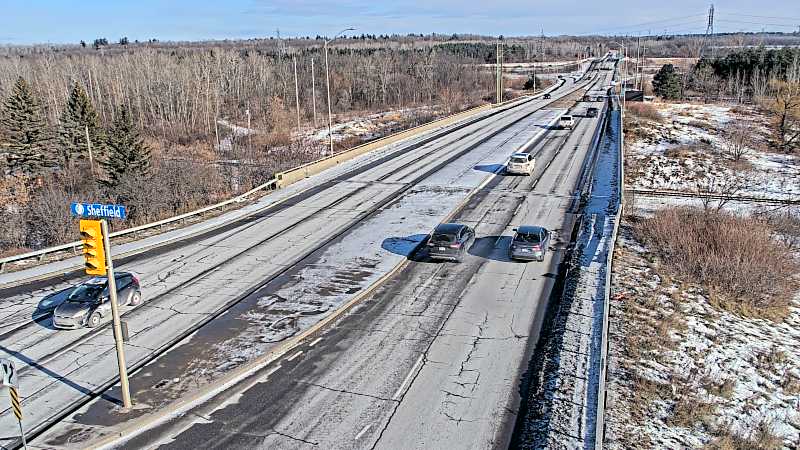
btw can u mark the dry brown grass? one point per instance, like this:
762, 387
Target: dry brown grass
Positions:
745, 269
644, 111
681, 151
790, 384
762, 438
688, 410
721, 388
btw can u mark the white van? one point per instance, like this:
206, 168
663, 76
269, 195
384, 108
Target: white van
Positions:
566, 121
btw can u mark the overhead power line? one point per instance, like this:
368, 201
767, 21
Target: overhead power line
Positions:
763, 17
763, 24
633, 28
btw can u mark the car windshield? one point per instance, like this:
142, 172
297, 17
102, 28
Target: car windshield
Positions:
565, 118
87, 293
519, 160
525, 237
441, 237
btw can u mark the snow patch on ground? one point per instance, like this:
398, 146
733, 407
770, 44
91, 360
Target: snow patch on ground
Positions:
737, 374
685, 152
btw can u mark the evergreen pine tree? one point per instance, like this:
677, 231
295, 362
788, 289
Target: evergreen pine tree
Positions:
667, 83
77, 117
26, 140
127, 153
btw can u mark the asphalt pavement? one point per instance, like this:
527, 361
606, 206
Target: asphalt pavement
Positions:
366, 219
434, 358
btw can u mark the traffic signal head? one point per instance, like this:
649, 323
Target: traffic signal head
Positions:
93, 252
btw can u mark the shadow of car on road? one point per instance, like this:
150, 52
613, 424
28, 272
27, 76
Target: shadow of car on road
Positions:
490, 168
412, 247
43, 314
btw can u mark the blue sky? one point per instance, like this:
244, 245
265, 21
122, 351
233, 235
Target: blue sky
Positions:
40, 21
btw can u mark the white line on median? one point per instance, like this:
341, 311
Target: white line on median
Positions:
315, 342
408, 377
361, 433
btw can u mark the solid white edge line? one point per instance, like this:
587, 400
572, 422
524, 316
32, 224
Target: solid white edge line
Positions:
292, 358
410, 375
315, 342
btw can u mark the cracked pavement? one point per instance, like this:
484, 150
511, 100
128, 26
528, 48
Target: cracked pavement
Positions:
188, 285
433, 358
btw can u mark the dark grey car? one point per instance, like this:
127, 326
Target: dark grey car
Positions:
88, 302
529, 243
450, 241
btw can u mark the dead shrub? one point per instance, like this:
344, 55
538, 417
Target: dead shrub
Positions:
688, 410
737, 258
762, 438
790, 384
787, 227
699, 124
681, 151
721, 388
644, 111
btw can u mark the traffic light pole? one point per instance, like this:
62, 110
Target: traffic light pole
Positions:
112, 294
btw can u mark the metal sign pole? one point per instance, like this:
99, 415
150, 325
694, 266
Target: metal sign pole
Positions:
112, 294
17, 407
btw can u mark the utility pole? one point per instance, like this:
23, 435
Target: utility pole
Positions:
296, 93
641, 70
328, 85
249, 131
89, 148
112, 297
313, 93
636, 69
497, 70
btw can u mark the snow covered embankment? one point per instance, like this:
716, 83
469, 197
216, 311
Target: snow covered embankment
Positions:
565, 390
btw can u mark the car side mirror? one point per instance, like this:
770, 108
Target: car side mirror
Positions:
514, 230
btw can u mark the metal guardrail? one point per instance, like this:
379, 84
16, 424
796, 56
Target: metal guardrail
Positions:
39, 254
712, 196
601, 389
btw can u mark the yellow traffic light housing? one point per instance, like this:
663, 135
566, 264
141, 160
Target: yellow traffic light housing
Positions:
93, 252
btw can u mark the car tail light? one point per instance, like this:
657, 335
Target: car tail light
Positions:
135, 278
455, 245
536, 247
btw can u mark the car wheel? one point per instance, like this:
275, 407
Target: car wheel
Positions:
136, 298
94, 320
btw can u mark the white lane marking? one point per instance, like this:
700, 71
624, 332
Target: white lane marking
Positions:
315, 342
408, 377
273, 370
291, 358
361, 433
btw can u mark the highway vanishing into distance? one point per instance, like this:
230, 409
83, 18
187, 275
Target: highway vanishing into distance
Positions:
316, 320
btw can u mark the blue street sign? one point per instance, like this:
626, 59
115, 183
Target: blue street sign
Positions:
97, 210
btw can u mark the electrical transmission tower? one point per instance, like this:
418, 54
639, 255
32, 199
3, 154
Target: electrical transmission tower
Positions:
707, 40
541, 45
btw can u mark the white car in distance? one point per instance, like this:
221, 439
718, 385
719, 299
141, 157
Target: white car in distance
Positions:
521, 164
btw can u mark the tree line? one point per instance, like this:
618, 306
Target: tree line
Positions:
152, 127
770, 78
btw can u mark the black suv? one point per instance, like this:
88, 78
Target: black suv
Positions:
592, 112
450, 241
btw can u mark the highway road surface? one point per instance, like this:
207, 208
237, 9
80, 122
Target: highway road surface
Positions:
434, 357
218, 300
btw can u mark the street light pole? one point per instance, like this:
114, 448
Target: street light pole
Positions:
328, 85
625, 71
